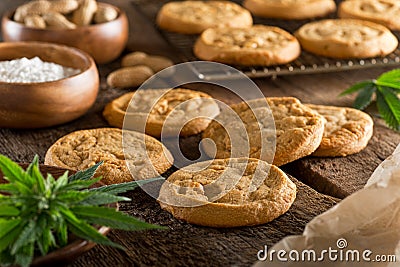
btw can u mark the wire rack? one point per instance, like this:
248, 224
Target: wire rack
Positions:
305, 63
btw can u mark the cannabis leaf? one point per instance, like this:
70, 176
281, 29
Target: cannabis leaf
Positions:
386, 89
37, 214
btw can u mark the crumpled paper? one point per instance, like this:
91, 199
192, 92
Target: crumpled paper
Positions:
361, 230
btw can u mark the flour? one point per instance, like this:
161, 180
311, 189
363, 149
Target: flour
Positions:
33, 70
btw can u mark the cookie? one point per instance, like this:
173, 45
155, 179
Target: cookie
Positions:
193, 17
346, 38
385, 12
144, 157
347, 131
257, 45
216, 194
192, 110
299, 131
290, 9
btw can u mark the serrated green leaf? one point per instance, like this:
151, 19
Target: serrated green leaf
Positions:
27, 236
72, 197
112, 218
62, 233
13, 172
6, 226
364, 97
49, 182
86, 231
30, 166
10, 169
25, 255
99, 198
393, 85
5, 200
86, 174
8, 188
390, 76
357, 87
387, 100
8, 211
47, 239
23, 188
34, 171
390, 79
79, 185
10, 237
392, 100
125, 187
61, 182
386, 111
41, 226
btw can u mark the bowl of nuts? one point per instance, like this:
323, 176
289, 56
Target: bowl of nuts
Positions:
44, 84
97, 28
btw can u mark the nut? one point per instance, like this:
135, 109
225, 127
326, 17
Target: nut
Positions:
105, 14
57, 20
64, 6
132, 59
35, 21
38, 7
156, 63
83, 16
129, 76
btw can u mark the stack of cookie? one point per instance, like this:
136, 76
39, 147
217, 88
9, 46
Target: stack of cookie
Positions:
227, 34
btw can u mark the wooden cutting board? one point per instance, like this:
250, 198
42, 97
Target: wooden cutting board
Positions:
342, 176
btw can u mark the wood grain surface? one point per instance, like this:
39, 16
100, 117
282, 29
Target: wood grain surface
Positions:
183, 244
342, 176
189, 245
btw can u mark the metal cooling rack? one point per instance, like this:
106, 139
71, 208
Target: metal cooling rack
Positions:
306, 63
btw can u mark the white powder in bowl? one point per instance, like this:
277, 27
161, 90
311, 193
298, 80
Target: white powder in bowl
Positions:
24, 70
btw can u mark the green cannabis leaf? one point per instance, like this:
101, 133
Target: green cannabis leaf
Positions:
37, 214
386, 89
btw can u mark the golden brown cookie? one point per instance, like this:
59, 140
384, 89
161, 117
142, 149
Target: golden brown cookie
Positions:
193, 17
219, 193
299, 131
347, 131
144, 156
346, 38
290, 9
385, 12
181, 105
257, 45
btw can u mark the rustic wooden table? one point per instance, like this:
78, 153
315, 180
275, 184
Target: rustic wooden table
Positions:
185, 244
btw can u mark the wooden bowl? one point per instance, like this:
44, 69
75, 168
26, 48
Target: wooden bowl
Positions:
44, 104
76, 247
104, 41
